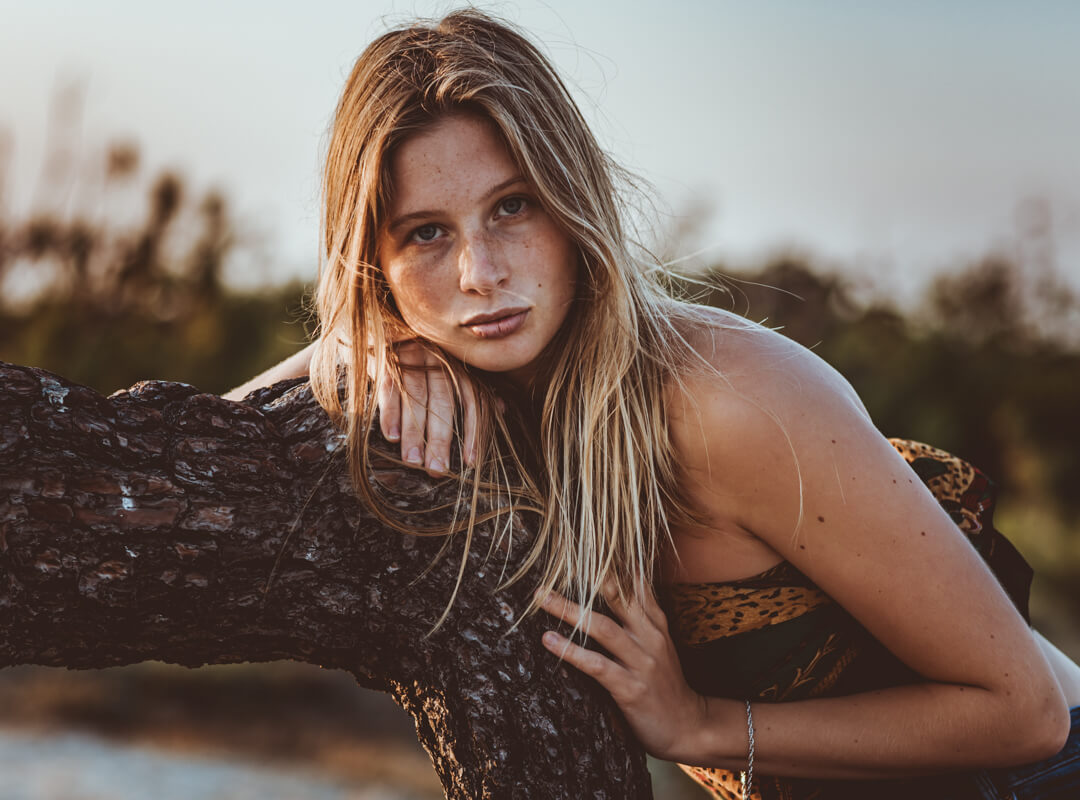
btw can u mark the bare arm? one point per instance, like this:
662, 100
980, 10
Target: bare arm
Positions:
853, 518
295, 366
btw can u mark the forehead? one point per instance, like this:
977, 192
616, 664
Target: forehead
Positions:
456, 158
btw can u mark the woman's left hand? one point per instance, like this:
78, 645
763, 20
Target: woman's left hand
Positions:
644, 676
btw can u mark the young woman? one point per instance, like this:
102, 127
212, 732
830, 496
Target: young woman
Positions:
676, 451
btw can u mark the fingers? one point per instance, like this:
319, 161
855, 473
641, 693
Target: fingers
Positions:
414, 402
440, 416
592, 663
420, 411
604, 630
637, 615
642, 673
389, 399
471, 402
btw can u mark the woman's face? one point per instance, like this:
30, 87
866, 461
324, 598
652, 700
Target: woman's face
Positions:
474, 262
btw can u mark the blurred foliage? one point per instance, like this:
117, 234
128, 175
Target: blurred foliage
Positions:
109, 307
214, 345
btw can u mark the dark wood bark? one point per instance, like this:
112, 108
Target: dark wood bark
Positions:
163, 523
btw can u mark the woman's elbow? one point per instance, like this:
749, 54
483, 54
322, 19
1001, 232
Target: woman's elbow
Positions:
1049, 727
1058, 729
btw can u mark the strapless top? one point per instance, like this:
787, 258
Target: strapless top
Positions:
777, 637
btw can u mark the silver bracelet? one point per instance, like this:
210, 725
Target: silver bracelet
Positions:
747, 775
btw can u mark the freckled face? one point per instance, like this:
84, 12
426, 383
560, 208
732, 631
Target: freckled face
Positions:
474, 262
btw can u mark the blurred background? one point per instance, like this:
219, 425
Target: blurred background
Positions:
896, 185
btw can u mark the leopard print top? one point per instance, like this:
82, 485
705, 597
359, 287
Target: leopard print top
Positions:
777, 637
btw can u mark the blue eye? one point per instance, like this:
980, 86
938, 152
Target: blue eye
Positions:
512, 205
426, 233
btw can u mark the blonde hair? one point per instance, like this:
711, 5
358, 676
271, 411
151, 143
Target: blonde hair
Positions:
605, 482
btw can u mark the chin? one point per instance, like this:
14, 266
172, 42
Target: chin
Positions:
498, 363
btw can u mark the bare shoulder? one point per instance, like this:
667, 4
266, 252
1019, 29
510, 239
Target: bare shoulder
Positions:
774, 443
761, 426
740, 365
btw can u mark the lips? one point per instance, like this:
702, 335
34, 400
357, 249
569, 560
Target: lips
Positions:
497, 324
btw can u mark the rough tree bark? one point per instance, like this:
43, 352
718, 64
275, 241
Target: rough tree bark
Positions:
162, 523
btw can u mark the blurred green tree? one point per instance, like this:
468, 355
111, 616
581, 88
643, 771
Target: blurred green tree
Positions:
107, 306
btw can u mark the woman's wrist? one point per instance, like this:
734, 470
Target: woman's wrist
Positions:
720, 739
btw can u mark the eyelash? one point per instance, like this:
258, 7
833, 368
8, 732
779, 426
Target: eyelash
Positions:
521, 198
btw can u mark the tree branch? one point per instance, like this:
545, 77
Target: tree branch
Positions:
166, 524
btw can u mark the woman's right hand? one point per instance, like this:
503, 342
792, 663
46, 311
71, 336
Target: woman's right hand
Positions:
422, 418
423, 421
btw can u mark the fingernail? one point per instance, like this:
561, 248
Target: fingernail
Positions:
394, 434
435, 465
414, 456
551, 638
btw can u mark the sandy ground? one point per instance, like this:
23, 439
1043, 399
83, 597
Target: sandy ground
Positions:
158, 731
260, 731
70, 766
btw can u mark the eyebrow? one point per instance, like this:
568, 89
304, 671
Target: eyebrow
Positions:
404, 219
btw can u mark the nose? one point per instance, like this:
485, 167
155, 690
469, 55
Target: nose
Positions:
481, 265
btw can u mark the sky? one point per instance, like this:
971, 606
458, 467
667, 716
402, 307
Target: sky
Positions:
890, 137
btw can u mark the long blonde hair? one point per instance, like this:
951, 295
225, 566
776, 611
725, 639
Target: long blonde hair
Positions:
605, 483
